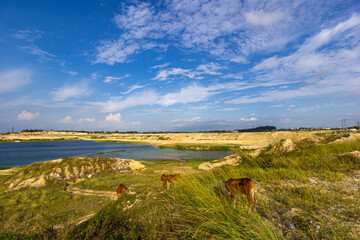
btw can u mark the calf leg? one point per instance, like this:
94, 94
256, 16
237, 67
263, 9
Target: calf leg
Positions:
234, 198
249, 199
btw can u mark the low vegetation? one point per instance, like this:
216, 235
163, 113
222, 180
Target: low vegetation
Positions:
311, 192
208, 147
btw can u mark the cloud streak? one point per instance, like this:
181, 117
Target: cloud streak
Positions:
325, 64
30, 47
202, 69
77, 90
190, 94
14, 79
110, 79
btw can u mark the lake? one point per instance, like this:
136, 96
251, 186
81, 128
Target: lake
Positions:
25, 153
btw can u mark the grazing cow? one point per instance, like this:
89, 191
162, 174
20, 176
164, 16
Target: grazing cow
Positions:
242, 185
120, 190
171, 178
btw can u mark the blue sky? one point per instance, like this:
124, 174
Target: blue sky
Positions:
178, 65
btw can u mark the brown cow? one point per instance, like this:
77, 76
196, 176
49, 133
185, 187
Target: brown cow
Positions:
242, 185
120, 190
171, 178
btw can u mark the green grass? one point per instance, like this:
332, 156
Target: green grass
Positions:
104, 152
208, 147
33, 210
310, 193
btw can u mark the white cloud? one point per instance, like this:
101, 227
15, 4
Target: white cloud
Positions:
72, 73
114, 121
231, 109
237, 76
76, 90
110, 79
27, 35
164, 74
189, 94
315, 107
161, 65
197, 123
329, 34
81, 120
66, 120
325, 64
227, 29
119, 51
25, 115
116, 104
11, 80
95, 75
132, 88
277, 106
179, 123
30, 36
113, 118
195, 119
252, 119
202, 69
263, 18
192, 93
69, 119
210, 69
35, 50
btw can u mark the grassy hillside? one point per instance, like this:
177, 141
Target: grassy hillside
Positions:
309, 193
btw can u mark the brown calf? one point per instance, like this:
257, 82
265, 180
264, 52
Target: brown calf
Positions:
242, 185
120, 190
171, 178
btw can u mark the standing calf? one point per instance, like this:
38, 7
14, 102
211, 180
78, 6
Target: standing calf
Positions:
120, 190
171, 178
242, 185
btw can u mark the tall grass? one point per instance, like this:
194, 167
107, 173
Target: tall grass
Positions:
310, 193
204, 211
194, 209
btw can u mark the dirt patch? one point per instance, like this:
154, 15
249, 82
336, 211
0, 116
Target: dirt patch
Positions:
88, 192
9, 171
347, 137
284, 146
39, 174
232, 160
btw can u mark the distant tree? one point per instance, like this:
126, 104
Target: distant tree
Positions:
33, 130
258, 129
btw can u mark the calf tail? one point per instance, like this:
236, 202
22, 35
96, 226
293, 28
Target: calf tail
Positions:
253, 197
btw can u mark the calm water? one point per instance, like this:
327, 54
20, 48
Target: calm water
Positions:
25, 153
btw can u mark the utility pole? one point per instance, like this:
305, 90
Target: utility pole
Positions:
12, 129
343, 124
